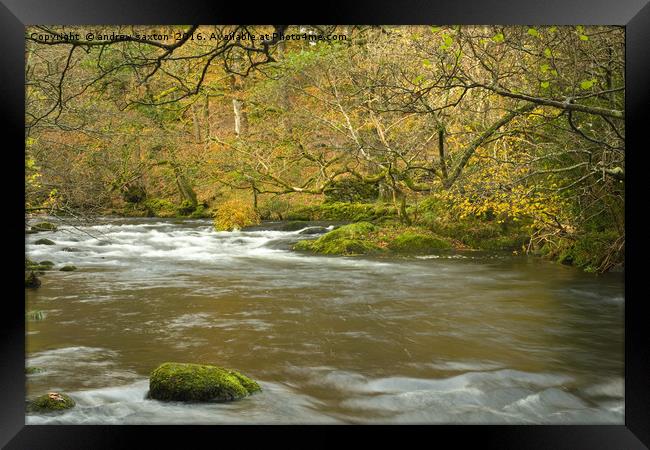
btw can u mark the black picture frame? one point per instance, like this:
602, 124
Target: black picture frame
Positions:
633, 14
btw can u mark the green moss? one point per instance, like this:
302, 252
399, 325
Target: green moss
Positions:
349, 239
31, 280
200, 213
159, 207
46, 263
67, 268
54, 401
196, 382
44, 226
587, 251
44, 242
186, 208
410, 242
354, 212
33, 370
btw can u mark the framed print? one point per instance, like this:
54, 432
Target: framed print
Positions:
379, 214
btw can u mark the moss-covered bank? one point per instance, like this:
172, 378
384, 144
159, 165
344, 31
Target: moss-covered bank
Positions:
353, 212
364, 238
198, 383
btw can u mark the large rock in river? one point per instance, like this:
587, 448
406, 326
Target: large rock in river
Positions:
198, 383
54, 401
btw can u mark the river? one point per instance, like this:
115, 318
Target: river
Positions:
463, 338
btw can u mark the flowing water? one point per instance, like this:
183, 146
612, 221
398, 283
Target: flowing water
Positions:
448, 338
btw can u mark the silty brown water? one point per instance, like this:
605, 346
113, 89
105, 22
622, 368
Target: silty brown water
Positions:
446, 338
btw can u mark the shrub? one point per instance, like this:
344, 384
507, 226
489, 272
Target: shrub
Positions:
235, 214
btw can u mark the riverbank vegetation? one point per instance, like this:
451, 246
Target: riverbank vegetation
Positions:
423, 137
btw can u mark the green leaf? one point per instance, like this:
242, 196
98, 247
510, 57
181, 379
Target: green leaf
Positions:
418, 79
584, 37
587, 84
552, 30
435, 28
544, 68
547, 52
545, 84
533, 32
498, 37
426, 63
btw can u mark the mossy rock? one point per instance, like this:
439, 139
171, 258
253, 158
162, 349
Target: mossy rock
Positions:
416, 243
38, 267
67, 268
349, 239
70, 250
31, 280
44, 226
294, 225
44, 242
53, 401
198, 383
33, 370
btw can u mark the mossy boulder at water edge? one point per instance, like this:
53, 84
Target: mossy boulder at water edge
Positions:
417, 243
68, 268
53, 401
198, 383
349, 239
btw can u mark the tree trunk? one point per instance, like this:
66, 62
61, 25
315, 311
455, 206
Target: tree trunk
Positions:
197, 125
184, 187
241, 123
